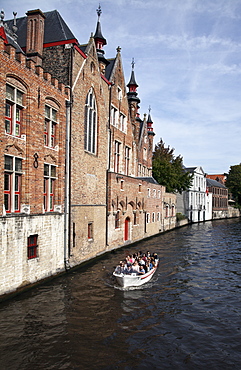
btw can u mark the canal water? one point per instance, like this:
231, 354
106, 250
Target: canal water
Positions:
186, 317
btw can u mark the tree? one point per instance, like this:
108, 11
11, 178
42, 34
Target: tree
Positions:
168, 170
233, 182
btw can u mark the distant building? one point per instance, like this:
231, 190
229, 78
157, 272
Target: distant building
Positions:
219, 198
220, 178
195, 203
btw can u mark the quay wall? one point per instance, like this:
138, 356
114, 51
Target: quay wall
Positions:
50, 262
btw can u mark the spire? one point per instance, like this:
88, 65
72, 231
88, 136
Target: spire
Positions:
132, 84
100, 41
132, 97
149, 123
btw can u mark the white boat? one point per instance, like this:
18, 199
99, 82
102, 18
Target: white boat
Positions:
134, 279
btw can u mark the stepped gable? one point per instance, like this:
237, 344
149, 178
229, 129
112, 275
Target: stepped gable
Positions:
55, 29
9, 33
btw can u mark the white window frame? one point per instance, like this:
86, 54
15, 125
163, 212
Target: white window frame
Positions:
90, 125
13, 111
50, 177
50, 125
12, 183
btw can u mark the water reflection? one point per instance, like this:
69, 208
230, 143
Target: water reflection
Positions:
187, 316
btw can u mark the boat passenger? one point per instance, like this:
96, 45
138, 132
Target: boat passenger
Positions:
135, 267
141, 261
142, 270
149, 266
129, 270
120, 268
132, 259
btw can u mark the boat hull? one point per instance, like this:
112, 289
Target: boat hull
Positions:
134, 280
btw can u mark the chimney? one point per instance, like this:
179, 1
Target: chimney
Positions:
35, 35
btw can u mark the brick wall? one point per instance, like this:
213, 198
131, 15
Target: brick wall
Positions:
38, 89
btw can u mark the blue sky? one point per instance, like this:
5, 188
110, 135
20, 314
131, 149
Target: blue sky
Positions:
187, 65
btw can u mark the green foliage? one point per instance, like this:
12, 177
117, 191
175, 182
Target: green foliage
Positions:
233, 182
180, 216
168, 170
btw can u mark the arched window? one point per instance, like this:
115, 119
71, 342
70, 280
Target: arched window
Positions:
117, 220
90, 122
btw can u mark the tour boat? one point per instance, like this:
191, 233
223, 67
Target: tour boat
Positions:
134, 279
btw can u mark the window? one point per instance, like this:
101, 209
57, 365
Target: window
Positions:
148, 218
90, 130
117, 220
122, 120
119, 92
50, 126
167, 211
127, 160
13, 111
49, 182
117, 157
32, 246
113, 116
154, 193
122, 184
158, 216
12, 183
159, 194
139, 188
153, 217
90, 230
145, 154
135, 219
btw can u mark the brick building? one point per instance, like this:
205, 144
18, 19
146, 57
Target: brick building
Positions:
91, 145
32, 164
220, 178
219, 198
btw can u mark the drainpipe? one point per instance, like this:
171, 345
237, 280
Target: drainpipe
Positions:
70, 143
67, 183
67, 202
108, 164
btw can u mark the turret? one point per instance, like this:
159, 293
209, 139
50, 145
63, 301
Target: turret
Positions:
100, 41
149, 124
132, 95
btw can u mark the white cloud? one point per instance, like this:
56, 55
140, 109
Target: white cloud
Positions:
188, 66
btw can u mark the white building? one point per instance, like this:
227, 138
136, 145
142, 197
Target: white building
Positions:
196, 203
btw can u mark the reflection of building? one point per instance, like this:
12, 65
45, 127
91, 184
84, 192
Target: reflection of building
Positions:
196, 203
78, 167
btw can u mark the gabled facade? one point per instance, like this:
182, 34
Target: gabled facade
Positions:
32, 160
196, 203
135, 199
